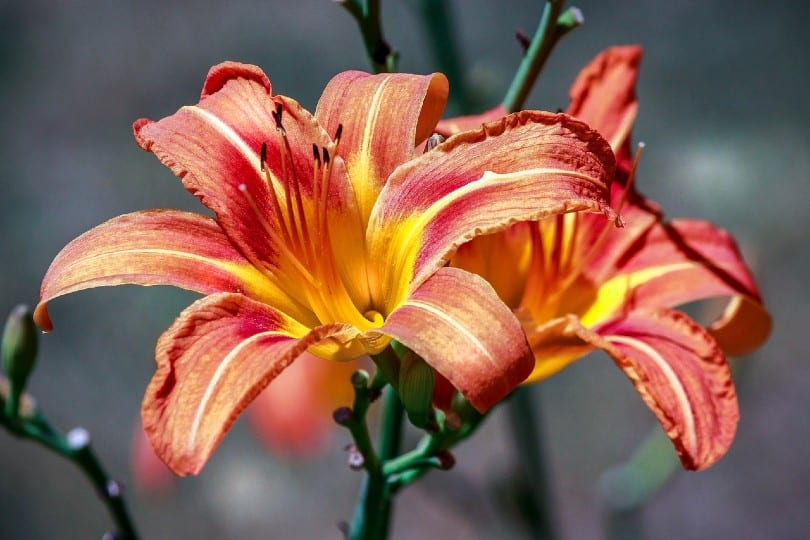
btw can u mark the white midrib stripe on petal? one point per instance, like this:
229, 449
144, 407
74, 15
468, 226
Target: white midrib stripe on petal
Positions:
690, 440
214, 382
452, 322
238, 142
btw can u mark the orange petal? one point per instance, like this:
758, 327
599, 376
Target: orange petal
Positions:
604, 94
456, 322
682, 375
681, 262
215, 147
674, 364
216, 357
527, 166
451, 126
156, 247
384, 118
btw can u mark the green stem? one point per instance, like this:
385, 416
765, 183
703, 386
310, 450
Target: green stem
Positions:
372, 514
552, 27
390, 442
367, 14
535, 496
371, 517
76, 448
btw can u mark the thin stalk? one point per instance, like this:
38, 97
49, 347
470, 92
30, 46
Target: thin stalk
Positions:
77, 449
536, 500
371, 517
367, 14
390, 442
552, 27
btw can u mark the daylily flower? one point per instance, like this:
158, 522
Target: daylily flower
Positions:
331, 234
578, 284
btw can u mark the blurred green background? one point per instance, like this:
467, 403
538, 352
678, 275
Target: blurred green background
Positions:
724, 113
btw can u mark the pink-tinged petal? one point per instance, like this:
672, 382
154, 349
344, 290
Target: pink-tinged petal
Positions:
456, 322
384, 117
451, 126
607, 250
215, 147
216, 357
527, 166
157, 247
220, 74
293, 416
681, 262
604, 94
682, 375
674, 364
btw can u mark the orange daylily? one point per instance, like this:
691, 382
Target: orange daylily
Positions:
331, 234
578, 284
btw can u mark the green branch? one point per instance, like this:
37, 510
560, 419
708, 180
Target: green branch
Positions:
553, 26
20, 416
367, 14
75, 447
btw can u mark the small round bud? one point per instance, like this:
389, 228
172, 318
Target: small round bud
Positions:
342, 415
113, 489
78, 438
360, 378
446, 459
356, 460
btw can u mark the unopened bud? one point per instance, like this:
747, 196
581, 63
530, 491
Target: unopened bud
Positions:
19, 353
416, 382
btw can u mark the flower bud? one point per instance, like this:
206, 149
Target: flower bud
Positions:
416, 381
19, 352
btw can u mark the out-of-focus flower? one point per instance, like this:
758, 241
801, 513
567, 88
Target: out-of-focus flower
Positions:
579, 285
293, 417
331, 234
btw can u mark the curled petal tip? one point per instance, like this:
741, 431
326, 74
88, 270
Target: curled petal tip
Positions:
220, 74
42, 319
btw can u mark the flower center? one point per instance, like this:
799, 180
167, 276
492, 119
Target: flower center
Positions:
306, 266
556, 273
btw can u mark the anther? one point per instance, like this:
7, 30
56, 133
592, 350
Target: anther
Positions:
264, 155
316, 155
277, 115
325, 157
338, 133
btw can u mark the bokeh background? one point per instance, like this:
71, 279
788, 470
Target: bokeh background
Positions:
724, 113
